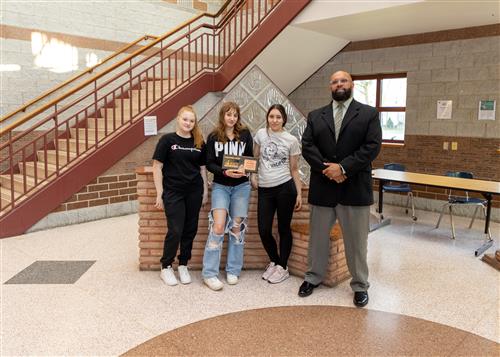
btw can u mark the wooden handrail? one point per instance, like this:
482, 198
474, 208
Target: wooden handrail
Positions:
74, 78
113, 67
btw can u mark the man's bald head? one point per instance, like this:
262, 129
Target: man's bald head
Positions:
342, 74
341, 85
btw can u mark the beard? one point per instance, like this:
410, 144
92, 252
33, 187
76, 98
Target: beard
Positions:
341, 95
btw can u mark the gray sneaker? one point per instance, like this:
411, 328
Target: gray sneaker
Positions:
279, 275
271, 267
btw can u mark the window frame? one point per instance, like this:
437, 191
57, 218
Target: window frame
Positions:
378, 93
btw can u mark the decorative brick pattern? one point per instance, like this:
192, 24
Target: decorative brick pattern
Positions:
153, 227
103, 190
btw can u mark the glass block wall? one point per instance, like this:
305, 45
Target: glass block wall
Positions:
255, 93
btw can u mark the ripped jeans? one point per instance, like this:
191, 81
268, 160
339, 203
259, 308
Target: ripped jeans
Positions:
233, 199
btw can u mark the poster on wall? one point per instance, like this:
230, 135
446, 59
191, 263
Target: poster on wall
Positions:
150, 127
444, 109
487, 110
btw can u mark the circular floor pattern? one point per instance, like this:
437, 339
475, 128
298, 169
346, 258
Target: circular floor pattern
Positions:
316, 331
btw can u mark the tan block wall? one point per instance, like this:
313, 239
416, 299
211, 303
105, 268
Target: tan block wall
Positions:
153, 227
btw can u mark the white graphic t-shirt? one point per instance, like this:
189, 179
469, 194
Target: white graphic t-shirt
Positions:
274, 158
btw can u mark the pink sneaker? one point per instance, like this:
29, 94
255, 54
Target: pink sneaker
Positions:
271, 267
279, 275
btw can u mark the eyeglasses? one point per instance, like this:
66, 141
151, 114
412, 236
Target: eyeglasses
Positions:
336, 81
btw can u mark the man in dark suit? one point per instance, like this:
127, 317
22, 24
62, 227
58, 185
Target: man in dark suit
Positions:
340, 142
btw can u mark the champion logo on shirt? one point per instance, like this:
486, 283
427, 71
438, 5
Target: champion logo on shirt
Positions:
177, 147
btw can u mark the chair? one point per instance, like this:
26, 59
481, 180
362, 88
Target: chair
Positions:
462, 201
396, 187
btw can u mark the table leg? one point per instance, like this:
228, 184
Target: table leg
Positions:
489, 240
381, 222
488, 215
381, 198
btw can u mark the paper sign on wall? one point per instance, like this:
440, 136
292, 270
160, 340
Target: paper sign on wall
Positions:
487, 109
444, 109
150, 127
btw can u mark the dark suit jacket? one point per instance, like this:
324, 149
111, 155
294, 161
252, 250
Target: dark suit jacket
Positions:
358, 145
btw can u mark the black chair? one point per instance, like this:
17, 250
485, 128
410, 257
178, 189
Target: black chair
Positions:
462, 201
397, 187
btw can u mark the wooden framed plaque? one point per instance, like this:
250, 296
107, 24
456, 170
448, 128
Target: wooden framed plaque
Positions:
245, 164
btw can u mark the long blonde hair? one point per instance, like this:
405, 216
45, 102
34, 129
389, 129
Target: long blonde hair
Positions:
220, 130
196, 131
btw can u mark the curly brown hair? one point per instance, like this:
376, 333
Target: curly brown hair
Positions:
220, 130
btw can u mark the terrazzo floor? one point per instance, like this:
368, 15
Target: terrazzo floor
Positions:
416, 271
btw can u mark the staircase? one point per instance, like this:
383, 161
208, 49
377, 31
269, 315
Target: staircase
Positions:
90, 127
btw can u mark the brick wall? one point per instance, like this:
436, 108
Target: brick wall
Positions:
102, 191
425, 154
153, 227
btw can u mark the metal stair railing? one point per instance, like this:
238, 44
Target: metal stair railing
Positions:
85, 117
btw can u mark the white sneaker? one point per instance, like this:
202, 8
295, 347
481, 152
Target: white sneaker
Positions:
213, 283
271, 267
184, 274
231, 279
168, 276
279, 275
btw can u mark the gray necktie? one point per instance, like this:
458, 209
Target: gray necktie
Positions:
338, 120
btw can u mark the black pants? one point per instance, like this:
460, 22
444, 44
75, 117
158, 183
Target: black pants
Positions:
282, 199
182, 210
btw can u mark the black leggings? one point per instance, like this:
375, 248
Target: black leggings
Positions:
282, 199
182, 210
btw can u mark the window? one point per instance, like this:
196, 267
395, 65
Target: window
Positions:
387, 93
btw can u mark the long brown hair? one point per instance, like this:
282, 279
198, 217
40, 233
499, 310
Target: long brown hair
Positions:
220, 130
282, 111
196, 131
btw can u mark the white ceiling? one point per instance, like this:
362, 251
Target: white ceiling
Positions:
371, 19
324, 27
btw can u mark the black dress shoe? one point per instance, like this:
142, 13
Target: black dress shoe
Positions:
306, 289
360, 298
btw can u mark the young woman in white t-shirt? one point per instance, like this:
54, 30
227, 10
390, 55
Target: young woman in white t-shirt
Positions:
279, 187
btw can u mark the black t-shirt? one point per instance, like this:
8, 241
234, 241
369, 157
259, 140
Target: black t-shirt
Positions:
217, 149
181, 161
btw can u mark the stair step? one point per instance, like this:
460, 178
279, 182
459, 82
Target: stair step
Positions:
3, 203
125, 103
90, 133
111, 113
30, 169
150, 95
6, 194
157, 83
63, 144
155, 86
18, 182
51, 156
101, 122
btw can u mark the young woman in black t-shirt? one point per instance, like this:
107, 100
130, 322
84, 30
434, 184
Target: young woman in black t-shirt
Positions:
230, 197
180, 179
